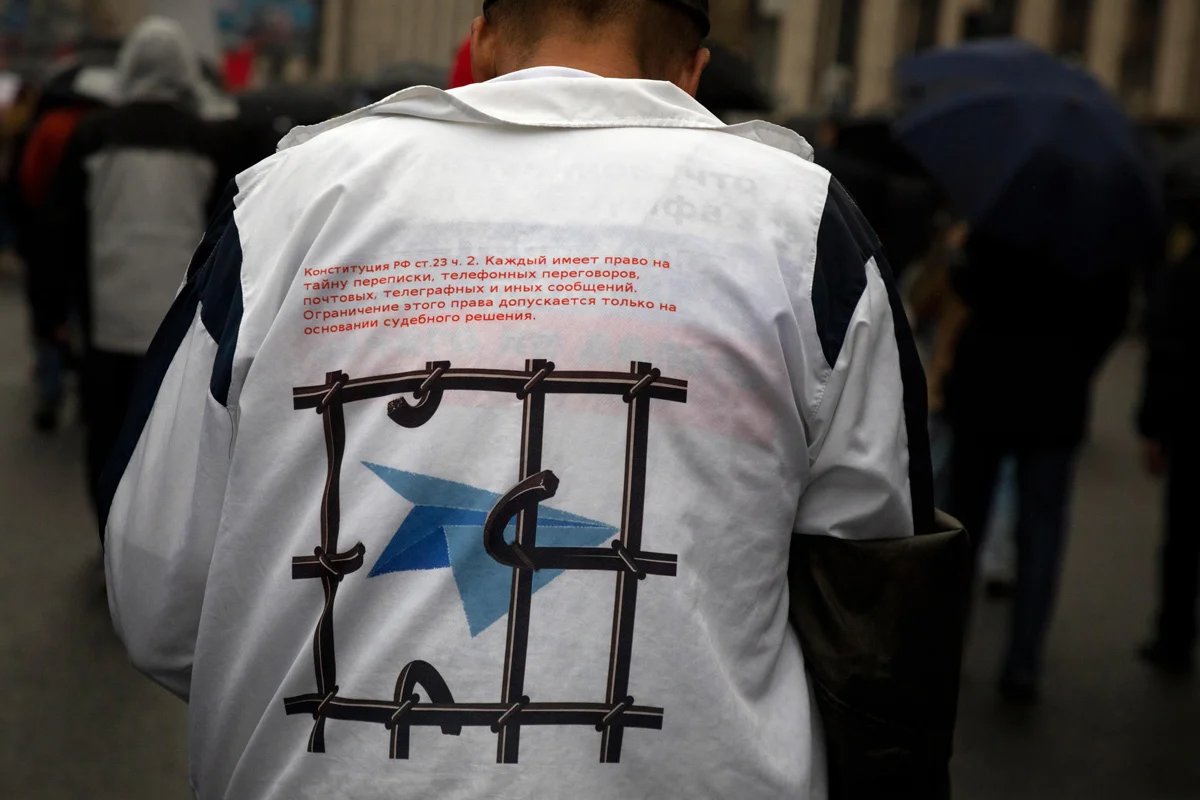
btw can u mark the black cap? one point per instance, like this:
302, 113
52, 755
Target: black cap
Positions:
698, 9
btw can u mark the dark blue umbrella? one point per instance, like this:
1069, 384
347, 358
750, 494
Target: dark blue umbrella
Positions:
992, 64
1033, 152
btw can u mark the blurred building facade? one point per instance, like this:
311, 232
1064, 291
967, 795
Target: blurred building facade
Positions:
1145, 51
360, 38
814, 56
821, 55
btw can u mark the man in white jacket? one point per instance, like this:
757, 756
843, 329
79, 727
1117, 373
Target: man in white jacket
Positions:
473, 448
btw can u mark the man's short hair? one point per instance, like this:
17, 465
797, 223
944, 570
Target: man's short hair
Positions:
664, 33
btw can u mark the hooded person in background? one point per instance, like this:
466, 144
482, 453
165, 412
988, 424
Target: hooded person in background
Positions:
131, 200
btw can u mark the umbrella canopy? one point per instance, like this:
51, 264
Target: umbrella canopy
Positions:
991, 64
1034, 152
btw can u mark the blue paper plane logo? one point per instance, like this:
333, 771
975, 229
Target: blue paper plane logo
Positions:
445, 529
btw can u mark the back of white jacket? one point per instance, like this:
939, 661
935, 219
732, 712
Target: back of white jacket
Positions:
472, 451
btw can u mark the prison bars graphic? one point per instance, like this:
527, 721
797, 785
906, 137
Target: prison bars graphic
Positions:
626, 558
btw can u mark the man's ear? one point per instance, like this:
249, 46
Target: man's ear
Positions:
483, 49
688, 77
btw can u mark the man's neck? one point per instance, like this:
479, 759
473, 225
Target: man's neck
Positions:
598, 58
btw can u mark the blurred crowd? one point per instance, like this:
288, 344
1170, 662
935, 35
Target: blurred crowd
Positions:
1031, 224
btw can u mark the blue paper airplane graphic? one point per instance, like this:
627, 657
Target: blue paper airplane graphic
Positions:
445, 529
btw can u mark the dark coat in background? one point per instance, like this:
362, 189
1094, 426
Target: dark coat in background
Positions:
1036, 337
1169, 409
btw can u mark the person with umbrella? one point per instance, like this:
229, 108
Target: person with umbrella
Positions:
1062, 205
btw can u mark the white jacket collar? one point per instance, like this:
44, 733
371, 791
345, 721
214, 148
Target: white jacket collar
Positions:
543, 72
558, 97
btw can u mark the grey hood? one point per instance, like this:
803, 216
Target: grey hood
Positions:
158, 63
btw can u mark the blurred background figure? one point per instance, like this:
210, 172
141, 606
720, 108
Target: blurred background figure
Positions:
15, 109
892, 189
131, 199
1063, 207
937, 315
998, 545
71, 93
460, 70
1168, 419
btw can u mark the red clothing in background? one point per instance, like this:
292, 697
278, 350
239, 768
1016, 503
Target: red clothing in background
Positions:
460, 73
43, 153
